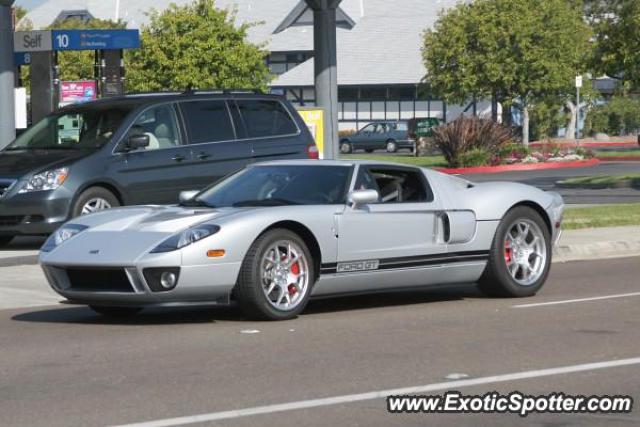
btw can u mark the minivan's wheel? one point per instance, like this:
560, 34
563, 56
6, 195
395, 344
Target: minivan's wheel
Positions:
345, 147
520, 256
94, 199
115, 312
392, 146
276, 277
5, 240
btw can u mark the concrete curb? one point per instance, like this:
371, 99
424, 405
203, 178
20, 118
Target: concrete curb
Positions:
598, 243
521, 167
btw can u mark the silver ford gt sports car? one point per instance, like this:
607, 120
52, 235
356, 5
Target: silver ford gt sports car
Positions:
275, 234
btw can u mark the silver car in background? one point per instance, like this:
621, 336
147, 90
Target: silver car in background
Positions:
276, 234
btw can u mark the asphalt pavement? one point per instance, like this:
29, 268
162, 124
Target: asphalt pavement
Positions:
546, 180
65, 366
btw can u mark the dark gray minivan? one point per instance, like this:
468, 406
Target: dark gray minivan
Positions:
139, 149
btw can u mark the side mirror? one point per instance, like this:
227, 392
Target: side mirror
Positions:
363, 197
135, 142
186, 196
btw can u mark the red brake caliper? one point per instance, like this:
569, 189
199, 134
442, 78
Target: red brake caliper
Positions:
295, 269
507, 252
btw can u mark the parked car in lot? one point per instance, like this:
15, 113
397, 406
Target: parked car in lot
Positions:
383, 135
277, 233
138, 149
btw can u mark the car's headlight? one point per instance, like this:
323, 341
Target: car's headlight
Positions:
185, 238
48, 180
61, 235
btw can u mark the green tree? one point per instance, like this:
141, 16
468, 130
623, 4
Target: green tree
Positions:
517, 51
616, 24
197, 46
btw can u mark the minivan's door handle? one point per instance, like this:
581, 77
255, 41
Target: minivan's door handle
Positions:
178, 158
203, 156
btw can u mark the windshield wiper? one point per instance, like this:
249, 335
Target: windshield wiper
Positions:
195, 203
265, 202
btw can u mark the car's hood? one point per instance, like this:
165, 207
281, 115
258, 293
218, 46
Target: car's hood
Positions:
150, 219
15, 164
121, 236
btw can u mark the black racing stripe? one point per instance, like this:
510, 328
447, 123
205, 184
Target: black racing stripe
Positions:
416, 261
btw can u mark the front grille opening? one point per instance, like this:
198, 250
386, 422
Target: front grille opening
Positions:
9, 221
99, 280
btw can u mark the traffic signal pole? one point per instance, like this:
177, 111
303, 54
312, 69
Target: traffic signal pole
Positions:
7, 78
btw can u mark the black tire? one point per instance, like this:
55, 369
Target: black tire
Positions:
94, 193
496, 281
5, 240
392, 146
115, 312
249, 293
346, 147
369, 150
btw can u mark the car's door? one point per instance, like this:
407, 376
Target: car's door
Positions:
272, 131
215, 147
157, 173
363, 139
400, 231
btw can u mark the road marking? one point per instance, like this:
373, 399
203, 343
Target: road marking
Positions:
569, 301
350, 398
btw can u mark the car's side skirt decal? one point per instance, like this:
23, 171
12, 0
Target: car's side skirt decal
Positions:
403, 262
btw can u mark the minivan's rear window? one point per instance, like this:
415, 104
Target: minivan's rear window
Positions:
265, 118
208, 121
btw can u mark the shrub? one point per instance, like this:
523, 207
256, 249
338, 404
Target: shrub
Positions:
469, 133
620, 116
343, 133
475, 157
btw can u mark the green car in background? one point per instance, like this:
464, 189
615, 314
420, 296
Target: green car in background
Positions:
389, 135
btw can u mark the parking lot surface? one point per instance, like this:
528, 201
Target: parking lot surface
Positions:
65, 366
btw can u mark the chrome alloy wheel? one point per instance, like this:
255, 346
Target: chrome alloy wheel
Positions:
285, 275
95, 205
525, 252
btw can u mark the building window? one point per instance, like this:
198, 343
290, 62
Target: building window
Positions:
373, 94
348, 93
402, 93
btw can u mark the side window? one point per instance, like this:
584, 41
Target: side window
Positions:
160, 124
395, 185
208, 121
369, 128
265, 118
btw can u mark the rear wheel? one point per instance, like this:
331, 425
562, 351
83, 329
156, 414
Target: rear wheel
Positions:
520, 256
116, 312
276, 277
346, 147
392, 146
94, 199
5, 240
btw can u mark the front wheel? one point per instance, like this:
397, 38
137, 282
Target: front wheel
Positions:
392, 146
276, 277
94, 199
346, 147
115, 312
520, 256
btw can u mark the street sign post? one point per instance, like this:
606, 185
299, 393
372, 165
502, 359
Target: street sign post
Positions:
578, 86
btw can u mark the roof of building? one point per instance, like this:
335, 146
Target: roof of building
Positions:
379, 42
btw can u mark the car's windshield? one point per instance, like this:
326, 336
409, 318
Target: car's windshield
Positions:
85, 127
280, 185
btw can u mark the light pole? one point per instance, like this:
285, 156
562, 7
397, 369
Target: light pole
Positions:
7, 82
578, 86
326, 76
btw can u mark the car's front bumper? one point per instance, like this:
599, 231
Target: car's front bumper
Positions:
196, 284
38, 213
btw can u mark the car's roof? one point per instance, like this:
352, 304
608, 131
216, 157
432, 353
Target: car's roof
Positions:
135, 100
320, 163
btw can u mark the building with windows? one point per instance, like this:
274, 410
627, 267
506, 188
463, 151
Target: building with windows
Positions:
379, 50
